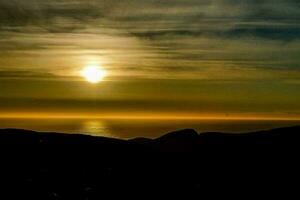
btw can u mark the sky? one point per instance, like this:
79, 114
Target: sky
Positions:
163, 59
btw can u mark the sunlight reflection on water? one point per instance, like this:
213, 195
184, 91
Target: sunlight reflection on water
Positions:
96, 128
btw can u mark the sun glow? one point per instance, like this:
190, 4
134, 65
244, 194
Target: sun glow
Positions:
93, 74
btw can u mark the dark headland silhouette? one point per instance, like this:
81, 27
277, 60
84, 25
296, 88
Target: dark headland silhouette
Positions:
181, 164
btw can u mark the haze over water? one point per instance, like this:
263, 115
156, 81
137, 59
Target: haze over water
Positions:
140, 128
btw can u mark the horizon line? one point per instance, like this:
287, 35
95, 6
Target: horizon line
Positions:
144, 117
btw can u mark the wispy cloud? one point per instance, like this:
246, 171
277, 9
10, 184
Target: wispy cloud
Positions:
11, 74
151, 38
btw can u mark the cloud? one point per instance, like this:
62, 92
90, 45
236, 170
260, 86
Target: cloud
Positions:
151, 37
12, 74
271, 32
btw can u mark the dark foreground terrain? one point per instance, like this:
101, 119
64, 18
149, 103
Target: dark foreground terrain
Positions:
181, 164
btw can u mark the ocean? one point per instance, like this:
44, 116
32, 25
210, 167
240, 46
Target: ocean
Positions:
126, 129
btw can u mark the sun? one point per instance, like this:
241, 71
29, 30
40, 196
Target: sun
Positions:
93, 74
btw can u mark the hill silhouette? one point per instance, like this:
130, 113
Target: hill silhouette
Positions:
182, 164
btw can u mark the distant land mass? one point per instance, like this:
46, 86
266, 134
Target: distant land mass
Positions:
182, 164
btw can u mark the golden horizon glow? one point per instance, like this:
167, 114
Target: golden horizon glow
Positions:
93, 73
137, 116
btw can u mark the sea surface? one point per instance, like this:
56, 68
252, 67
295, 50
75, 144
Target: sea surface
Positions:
126, 129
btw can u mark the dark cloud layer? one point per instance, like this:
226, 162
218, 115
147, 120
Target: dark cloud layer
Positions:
24, 74
183, 16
